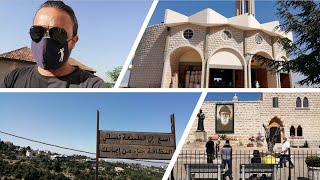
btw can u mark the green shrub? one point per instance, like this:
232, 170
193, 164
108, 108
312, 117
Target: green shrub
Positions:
223, 136
313, 161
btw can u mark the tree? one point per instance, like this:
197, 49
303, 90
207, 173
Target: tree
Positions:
303, 20
57, 167
31, 174
114, 74
109, 84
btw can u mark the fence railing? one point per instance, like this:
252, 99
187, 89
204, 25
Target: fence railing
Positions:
244, 167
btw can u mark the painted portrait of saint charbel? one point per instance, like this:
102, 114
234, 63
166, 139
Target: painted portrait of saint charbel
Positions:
224, 118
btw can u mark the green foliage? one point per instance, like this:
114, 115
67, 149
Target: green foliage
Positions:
313, 161
109, 84
223, 136
114, 74
303, 20
57, 167
75, 166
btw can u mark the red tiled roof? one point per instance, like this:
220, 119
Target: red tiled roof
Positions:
25, 54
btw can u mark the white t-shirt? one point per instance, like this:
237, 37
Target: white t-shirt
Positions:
284, 146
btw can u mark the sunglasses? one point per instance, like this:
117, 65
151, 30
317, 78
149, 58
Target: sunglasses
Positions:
57, 34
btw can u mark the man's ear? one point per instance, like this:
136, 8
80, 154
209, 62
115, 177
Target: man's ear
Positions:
74, 41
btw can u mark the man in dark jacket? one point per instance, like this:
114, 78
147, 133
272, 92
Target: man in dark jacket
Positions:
210, 150
226, 154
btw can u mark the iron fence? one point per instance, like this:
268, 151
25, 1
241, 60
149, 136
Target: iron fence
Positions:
195, 163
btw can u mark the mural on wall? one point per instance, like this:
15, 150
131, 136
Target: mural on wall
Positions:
224, 118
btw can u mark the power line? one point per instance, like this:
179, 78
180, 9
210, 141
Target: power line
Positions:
48, 144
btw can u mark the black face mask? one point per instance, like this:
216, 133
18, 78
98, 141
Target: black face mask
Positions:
49, 54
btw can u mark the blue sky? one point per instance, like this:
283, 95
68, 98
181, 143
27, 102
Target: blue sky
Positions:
69, 119
242, 96
265, 10
107, 29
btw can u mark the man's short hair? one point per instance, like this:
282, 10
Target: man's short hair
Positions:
58, 4
225, 109
228, 141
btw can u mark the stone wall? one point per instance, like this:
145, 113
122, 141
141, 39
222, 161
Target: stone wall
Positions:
246, 116
278, 50
177, 40
307, 118
215, 41
148, 61
250, 115
265, 46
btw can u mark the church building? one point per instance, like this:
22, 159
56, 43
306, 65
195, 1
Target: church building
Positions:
208, 50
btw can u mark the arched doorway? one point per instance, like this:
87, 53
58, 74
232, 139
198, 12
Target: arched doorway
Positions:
274, 124
259, 73
284, 77
186, 68
226, 70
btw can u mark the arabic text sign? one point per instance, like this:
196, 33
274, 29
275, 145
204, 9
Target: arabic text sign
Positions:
135, 151
137, 138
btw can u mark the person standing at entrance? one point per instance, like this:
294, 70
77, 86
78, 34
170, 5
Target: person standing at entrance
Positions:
285, 153
218, 144
210, 150
226, 154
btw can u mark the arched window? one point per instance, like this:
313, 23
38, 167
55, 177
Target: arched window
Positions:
292, 131
299, 131
298, 102
305, 102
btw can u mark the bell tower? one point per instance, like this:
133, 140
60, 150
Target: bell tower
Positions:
245, 6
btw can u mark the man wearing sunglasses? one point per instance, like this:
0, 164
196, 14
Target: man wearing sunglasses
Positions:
54, 35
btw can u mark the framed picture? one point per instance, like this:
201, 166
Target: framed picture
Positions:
224, 118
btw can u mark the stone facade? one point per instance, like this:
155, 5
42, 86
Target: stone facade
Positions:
265, 46
149, 58
215, 41
177, 40
250, 115
156, 58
